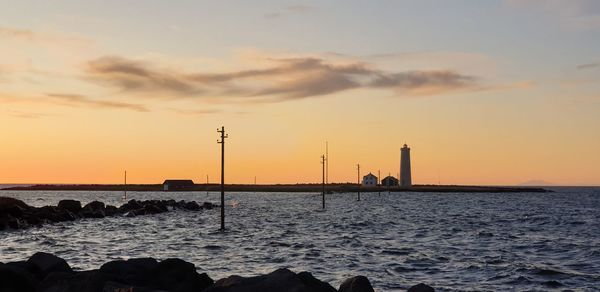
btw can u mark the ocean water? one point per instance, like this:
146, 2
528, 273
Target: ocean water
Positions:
453, 242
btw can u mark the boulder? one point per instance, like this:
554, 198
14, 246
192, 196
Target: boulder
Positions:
46, 263
111, 210
71, 205
95, 205
207, 205
132, 271
192, 206
421, 288
178, 276
85, 281
6, 202
16, 278
356, 284
281, 280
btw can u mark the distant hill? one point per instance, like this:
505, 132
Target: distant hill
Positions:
536, 183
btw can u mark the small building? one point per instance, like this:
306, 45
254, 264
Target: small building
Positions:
369, 180
178, 185
389, 181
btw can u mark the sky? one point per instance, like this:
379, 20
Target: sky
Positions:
484, 92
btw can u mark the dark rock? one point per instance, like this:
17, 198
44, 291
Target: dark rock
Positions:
421, 288
16, 278
153, 209
129, 206
71, 205
192, 206
85, 281
132, 271
52, 214
178, 276
118, 287
356, 284
46, 263
282, 280
6, 202
207, 205
95, 205
111, 210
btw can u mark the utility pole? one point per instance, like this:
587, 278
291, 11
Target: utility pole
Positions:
125, 195
207, 184
222, 142
326, 162
379, 182
358, 179
323, 161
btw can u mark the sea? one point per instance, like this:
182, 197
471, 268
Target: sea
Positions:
450, 241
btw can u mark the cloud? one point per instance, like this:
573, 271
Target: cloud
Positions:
284, 79
290, 9
193, 112
28, 35
588, 66
25, 115
578, 14
75, 100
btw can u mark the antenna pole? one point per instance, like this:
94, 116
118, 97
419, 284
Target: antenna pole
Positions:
358, 180
222, 142
323, 161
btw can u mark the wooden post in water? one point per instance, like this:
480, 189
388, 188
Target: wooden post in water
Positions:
222, 142
358, 171
323, 161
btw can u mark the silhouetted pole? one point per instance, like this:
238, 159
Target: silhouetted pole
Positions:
323, 161
207, 184
222, 142
326, 162
125, 195
358, 176
379, 182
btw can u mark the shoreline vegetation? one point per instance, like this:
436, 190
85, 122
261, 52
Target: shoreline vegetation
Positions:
46, 272
300, 188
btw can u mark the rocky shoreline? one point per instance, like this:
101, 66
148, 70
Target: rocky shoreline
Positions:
15, 214
44, 272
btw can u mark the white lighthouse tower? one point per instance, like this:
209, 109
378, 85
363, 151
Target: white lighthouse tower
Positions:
405, 176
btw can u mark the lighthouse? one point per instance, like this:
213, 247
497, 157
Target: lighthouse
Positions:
405, 176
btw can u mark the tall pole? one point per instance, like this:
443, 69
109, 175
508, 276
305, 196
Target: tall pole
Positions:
222, 142
379, 182
207, 184
125, 195
358, 179
323, 161
326, 162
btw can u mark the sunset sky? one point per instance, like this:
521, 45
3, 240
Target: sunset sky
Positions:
484, 92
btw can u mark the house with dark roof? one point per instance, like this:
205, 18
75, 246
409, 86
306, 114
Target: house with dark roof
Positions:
178, 185
389, 181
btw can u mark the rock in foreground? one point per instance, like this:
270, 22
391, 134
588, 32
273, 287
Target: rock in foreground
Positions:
45, 272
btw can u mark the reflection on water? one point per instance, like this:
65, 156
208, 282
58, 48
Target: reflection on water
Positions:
451, 241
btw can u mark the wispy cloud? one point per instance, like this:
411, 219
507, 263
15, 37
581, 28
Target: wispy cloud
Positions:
22, 34
195, 112
76, 100
589, 66
579, 14
285, 79
290, 9
26, 114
